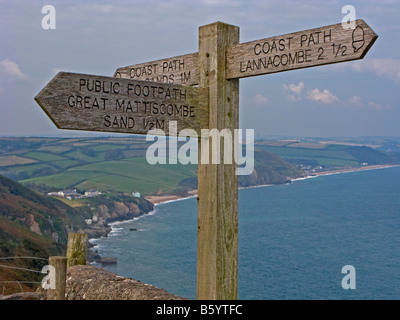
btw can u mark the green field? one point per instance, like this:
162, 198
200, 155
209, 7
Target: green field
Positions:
119, 163
87, 164
31, 167
331, 156
44, 156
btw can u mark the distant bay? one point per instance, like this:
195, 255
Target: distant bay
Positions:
294, 240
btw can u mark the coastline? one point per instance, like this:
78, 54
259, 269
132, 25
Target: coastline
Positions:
156, 200
163, 199
363, 168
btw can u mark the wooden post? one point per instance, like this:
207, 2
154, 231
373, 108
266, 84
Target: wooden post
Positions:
217, 230
76, 248
60, 266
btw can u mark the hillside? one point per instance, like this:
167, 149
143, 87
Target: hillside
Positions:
270, 169
44, 216
37, 226
314, 155
118, 164
30, 225
114, 165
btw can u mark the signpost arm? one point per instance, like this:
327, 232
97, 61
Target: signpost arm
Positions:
217, 233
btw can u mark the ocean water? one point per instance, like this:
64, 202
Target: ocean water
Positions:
294, 240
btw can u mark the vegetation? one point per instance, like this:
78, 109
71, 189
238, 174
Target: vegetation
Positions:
119, 164
36, 225
332, 155
30, 225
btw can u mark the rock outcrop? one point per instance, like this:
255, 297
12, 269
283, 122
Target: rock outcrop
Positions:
110, 210
93, 283
87, 282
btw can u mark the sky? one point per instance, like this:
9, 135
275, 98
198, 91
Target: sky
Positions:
351, 99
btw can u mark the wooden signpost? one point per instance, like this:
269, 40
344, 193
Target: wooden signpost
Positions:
137, 96
106, 104
176, 70
304, 49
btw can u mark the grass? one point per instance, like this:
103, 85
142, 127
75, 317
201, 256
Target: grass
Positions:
107, 146
6, 161
90, 171
330, 156
32, 167
63, 164
120, 175
133, 174
78, 155
44, 156
122, 184
56, 148
71, 203
64, 180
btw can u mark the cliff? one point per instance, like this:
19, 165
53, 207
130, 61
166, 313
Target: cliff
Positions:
269, 169
109, 208
30, 225
37, 226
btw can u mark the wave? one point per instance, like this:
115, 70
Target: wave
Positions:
304, 178
257, 186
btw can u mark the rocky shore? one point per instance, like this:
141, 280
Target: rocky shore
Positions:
113, 210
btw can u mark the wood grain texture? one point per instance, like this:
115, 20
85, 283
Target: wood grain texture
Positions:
106, 104
217, 234
77, 249
60, 266
177, 70
304, 49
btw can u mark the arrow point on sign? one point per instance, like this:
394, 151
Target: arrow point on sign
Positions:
359, 36
44, 94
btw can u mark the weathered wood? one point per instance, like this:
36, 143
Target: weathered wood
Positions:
177, 70
128, 104
304, 49
106, 104
77, 248
217, 232
60, 268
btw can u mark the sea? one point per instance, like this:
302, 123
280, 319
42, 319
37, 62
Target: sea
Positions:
331, 237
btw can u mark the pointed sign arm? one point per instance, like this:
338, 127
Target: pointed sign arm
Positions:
106, 104
304, 49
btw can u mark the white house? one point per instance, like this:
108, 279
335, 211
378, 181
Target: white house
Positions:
92, 193
136, 194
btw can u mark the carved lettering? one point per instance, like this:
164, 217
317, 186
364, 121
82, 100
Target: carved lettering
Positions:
98, 103
86, 102
278, 60
303, 49
118, 122
178, 70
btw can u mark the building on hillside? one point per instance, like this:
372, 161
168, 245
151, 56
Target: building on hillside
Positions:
68, 193
136, 194
92, 193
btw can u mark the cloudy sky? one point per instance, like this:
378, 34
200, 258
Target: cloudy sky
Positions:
359, 98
